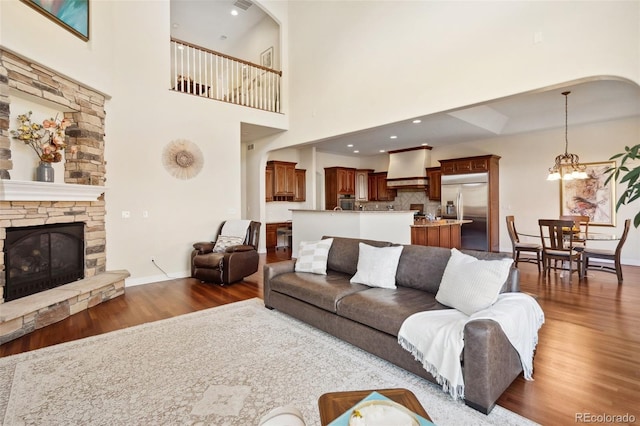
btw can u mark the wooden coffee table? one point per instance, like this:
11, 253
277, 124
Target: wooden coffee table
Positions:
332, 405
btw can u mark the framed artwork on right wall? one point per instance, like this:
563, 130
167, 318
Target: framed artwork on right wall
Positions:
590, 197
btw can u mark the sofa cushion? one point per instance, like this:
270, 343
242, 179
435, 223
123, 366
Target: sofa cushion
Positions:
421, 267
377, 266
312, 256
386, 309
323, 291
343, 256
470, 284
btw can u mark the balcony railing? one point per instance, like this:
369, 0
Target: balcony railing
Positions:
210, 74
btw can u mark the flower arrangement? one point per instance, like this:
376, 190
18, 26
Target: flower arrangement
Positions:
46, 139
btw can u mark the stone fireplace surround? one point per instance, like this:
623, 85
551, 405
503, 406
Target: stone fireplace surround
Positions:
79, 199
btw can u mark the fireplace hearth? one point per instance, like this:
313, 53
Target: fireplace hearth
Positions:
42, 257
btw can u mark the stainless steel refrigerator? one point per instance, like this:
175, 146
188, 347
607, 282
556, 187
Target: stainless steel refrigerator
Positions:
466, 196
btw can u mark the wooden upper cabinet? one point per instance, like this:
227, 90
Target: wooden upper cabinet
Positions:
478, 164
283, 178
301, 185
434, 175
378, 190
346, 181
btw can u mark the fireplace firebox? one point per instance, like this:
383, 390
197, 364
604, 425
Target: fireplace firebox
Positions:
42, 257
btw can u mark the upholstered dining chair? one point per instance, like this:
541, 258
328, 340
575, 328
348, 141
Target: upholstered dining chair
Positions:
592, 253
230, 257
518, 246
581, 223
557, 245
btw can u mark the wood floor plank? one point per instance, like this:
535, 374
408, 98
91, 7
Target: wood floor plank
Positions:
587, 359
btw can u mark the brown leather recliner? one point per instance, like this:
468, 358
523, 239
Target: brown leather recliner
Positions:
227, 267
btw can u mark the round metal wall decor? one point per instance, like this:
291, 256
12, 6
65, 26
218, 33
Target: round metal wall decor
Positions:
182, 159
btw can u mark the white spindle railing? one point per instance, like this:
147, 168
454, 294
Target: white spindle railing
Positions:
199, 71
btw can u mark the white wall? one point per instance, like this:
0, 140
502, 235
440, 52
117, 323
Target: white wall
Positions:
127, 57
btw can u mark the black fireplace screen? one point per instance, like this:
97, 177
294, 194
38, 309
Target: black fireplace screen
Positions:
42, 257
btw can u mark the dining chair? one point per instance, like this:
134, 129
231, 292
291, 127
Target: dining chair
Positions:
518, 246
614, 255
557, 245
581, 223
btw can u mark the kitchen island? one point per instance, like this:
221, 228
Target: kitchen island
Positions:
384, 225
438, 233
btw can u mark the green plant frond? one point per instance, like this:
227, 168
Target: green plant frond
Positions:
631, 176
616, 156
636, 220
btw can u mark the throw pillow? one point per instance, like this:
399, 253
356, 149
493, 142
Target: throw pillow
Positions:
377, 266
470, 284
224, 241
313, 255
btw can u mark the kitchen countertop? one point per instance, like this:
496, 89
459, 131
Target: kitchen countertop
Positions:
442, 222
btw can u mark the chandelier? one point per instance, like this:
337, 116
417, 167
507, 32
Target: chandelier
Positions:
567, 162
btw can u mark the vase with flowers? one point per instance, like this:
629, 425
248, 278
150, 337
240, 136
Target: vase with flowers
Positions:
47, 140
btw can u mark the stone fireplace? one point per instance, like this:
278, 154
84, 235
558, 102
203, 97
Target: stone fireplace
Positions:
79, 200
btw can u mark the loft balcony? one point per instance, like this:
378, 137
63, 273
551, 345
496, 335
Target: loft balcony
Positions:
214, 75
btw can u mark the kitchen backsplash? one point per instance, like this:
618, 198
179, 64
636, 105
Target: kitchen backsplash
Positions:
403, 201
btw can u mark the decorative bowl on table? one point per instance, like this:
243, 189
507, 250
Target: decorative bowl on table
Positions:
382, 413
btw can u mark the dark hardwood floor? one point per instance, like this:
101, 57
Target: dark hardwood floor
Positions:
587, 362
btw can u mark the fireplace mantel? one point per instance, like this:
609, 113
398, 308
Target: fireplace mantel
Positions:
19, 190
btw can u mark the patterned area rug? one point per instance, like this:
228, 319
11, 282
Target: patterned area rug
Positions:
228, 365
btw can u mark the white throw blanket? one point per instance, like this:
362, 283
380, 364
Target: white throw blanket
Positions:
436, 338
235, 228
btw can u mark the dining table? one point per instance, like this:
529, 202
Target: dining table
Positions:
585, 236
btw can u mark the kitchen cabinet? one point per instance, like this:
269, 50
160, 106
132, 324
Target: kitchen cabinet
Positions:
338, 181
458, 166
434, 175
300, 193
378, 190
280, 178
437, 235
271, 234
362, 184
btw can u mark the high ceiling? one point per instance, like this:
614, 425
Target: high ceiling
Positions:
589, 102
211, 24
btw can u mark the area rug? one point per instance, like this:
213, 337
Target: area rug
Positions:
228, 365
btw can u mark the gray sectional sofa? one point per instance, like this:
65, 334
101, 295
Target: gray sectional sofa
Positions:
370, 317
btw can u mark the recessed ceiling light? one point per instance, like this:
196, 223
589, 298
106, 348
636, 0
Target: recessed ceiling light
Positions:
424, 144
350, 145
355, 151
234, 12
393, 137
382, 150
417, 121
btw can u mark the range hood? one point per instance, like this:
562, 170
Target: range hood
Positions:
407, 168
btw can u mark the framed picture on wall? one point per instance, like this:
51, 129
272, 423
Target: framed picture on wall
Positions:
590, 197
266, 58
73, 15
